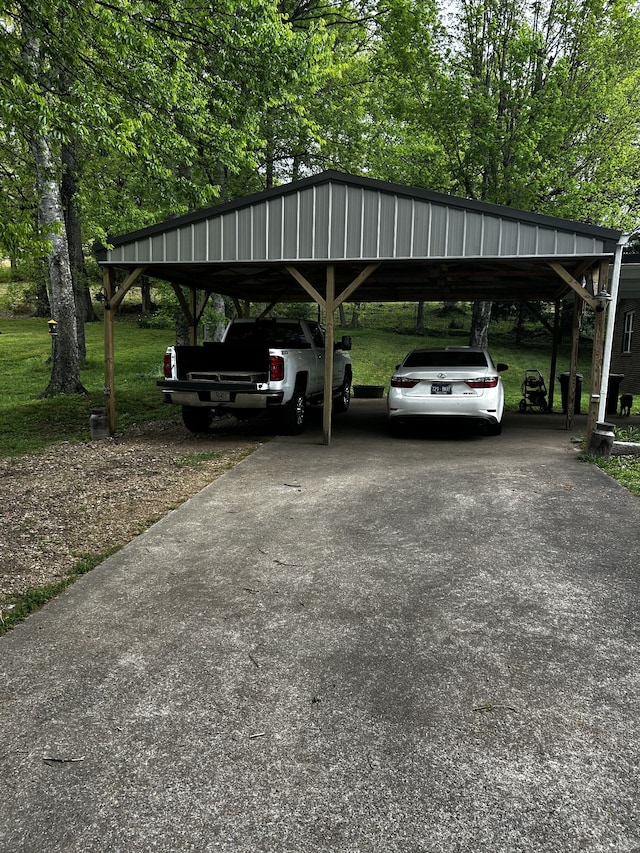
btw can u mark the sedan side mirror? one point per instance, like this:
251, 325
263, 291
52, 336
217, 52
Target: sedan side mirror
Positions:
500, 366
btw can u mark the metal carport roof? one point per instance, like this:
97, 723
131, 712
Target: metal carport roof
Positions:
428, 245
331, 235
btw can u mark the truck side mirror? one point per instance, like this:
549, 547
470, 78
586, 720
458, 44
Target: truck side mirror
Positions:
345, 343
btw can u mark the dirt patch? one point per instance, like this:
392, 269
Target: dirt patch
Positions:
74, 500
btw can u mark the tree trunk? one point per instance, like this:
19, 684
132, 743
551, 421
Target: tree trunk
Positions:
147, 304
65, 363
480, 320
216, 323
43, 308
82, 297
220, 324
65, 369
520, 323
420, 330
182, 329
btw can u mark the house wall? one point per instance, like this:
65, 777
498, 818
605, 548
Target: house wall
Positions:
627, 363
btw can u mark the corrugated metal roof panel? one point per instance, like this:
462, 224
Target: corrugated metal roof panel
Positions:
426, 242
338, 222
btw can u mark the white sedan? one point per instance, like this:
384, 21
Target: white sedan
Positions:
449, 383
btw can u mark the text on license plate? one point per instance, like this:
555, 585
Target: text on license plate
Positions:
220, 397
440, 387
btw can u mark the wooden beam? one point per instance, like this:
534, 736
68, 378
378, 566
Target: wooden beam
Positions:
113, 300
202, 304
243, 309
566, 276
573, 364
109, 362
355, 284
313, 293
193, 311
184, 304
557, 316
125, 287
328, 355
269, 307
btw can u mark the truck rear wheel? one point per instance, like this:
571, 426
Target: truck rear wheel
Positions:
293, 415
196, 418
341, 402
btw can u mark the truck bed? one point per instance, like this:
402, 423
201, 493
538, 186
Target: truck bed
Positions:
221, 362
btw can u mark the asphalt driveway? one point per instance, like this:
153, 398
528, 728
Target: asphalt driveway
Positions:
426, 644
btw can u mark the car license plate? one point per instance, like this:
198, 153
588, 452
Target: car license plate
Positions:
220, 397
440, 387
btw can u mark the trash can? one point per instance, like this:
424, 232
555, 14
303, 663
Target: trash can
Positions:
563, 379
613, 392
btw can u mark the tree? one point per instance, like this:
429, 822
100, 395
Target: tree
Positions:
519, 102
134, 111
65, 372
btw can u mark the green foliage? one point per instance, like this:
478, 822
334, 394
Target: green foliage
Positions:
624, 469
516, 102
628, 433
18, 607
162, 104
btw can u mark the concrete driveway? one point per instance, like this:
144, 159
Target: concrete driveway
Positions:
426, 644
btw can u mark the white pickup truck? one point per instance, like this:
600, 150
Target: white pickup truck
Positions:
270, 367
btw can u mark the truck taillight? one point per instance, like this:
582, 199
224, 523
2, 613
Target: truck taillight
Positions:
167, 365
276, 368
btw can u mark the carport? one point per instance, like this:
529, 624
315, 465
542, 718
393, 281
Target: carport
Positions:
332, 236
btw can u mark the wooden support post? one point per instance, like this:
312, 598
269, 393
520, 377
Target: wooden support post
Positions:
597, 355
193, 312
330, 303
554, 352
109, 362
573, 366
112, 302
328, 355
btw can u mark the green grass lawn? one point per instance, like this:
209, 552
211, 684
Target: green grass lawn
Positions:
28, 421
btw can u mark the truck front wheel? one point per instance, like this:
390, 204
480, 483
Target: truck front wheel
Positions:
293, 415
196, 418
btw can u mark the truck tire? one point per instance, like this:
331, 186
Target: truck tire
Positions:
341, 402
293, 415
196, 419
